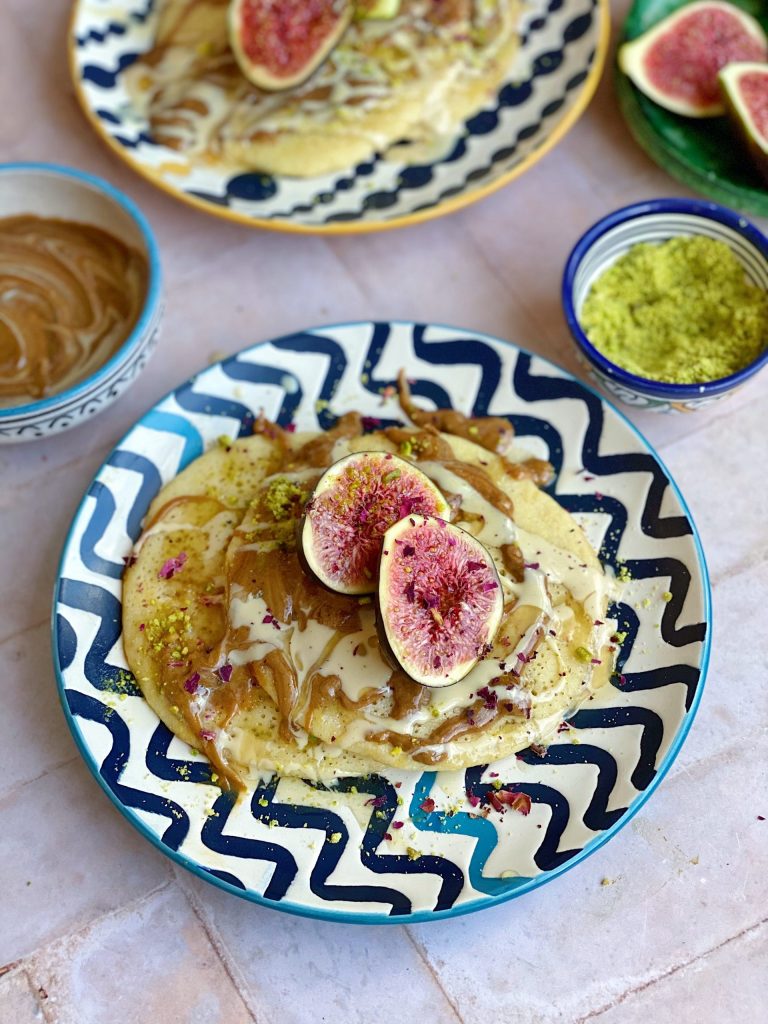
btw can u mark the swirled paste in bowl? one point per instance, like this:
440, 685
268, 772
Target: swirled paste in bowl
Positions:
70, 294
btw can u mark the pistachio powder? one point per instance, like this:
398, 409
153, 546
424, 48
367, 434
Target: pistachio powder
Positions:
680, 311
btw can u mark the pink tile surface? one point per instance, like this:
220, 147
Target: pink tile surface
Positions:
19, 1003
350, 970
68, 857
105, 929
164, 970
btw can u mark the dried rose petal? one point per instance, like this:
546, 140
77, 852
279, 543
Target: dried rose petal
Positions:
427, 805
489, 697
474, 800
172, 566
206, 734
397, 824
376, 801
224, 673
191, 684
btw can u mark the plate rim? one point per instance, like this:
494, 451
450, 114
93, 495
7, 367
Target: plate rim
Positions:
421, 916
441, 209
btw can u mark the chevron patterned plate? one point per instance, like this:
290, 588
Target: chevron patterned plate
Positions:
330, 852
564, 43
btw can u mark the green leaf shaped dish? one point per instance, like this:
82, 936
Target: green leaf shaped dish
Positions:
705, 155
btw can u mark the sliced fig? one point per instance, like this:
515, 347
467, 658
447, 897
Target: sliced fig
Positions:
439, 600
354, 504
745, 89
280, 43
676, 63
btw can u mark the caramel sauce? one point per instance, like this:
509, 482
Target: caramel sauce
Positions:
266, 563
479, 480
494, 433
317, 452
538, 471
70, 294
425, 444
514, 562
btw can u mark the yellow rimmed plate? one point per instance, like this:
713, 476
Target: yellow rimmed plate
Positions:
556, 71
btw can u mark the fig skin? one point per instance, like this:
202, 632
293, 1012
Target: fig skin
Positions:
632, 55
755, 145
265, 79
448, 601
354, 503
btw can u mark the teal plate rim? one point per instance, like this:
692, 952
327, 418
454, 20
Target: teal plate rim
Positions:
415, 917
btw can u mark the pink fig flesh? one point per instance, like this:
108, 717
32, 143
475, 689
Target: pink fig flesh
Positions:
676, 62
355, 502
280, 43
440, 601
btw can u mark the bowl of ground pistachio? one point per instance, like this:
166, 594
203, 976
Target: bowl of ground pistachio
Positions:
667, 301
80, 298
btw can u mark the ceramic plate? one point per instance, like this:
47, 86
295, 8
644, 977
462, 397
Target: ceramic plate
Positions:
702, 154
550, 84
326, 853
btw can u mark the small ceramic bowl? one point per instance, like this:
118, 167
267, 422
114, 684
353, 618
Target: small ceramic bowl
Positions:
47, 190
655, 221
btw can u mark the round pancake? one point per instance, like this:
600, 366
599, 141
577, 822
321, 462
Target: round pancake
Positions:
416, 77
344, 692
175, 612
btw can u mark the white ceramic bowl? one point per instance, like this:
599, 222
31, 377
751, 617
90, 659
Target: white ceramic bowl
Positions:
47, 190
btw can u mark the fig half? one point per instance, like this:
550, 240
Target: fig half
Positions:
745, 88
355, 502
676, 62
440, 601
280, 43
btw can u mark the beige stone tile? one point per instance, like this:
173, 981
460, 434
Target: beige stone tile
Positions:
729, 983
151, 962
725, 488
18, 1002
299, 971
31, 710
734, 706
33, 532
686, 874
68, 857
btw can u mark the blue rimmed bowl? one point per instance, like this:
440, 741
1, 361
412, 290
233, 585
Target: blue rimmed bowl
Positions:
48, 190
656, 221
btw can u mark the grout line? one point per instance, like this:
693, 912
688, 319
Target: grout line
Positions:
435, 976
593, 1014
6, 795
98, 453
24, 629
216, 941
42, 951
732, 572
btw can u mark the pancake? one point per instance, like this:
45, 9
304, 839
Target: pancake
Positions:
413, 78
175, 621
327, 673
289, 677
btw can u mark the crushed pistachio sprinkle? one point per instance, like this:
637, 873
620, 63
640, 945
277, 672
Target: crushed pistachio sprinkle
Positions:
681, 311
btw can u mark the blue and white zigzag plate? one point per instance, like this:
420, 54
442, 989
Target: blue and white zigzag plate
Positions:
555, 74
324, 852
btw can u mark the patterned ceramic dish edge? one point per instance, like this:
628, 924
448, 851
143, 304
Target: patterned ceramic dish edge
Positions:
319, 853
655, 221
558, 68
54, 191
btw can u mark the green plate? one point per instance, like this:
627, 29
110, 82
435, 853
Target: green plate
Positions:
703, 154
